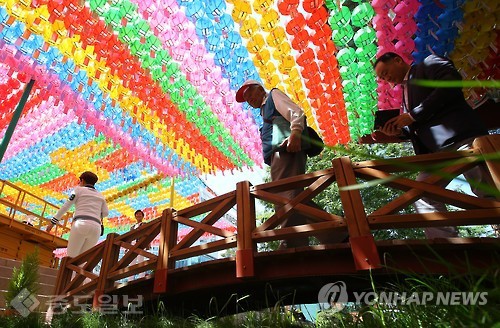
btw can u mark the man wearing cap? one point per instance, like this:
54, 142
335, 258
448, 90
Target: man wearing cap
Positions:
90, 209
290, 159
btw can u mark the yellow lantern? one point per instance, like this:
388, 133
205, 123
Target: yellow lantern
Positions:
255, 43
249, 27
269, 20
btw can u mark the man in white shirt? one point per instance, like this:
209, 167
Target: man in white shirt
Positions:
90, 209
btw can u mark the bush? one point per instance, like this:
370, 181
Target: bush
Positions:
24, 277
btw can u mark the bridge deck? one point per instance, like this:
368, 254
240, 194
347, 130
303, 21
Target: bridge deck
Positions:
295, 276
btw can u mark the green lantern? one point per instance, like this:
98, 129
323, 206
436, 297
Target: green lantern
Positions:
367, 52
348, 86
113, 17
153, 42
99, 6
362, 15
365, 36
126, 33
330, 4
340, 17
137, 48
346, 56
364, 67
146, 61
157, 73
366, 80
343, 35
347, 72
163, 56
127, 9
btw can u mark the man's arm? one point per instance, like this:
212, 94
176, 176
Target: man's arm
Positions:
66, 206
394, 126
293, 114
105, 210
288, 109
437, 69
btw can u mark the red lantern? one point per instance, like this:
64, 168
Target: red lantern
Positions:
287, 6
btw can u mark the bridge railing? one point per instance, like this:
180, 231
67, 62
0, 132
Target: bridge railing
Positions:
108, 265
20, 205
355, 221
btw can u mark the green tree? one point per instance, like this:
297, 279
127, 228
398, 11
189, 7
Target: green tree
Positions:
24, 277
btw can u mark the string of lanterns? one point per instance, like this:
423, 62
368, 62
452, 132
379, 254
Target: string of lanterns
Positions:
142, 91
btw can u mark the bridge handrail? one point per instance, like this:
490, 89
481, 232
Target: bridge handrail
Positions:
14, 197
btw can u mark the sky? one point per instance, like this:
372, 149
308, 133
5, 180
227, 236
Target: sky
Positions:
224, 182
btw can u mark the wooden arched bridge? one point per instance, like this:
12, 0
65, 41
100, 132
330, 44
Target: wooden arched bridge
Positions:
123, 265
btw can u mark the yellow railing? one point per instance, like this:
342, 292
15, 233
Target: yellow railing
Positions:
19, 205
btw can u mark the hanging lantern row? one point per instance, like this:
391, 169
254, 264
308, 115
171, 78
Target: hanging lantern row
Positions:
100, 52
477, 45
358, 78
41, 78
122, 15
191, 37
154, 197
148, 59
43, 173
174, 86
270, 50
310, 36
394, 35
92, 117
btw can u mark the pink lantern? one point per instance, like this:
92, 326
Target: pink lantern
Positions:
170, 6
404, 46
179, 21
383, 5
386, 33
178, 53
406, 28
385, 48
403, 11
198, 52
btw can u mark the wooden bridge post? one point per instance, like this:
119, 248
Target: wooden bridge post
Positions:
245, 246
363, 246
63, 277
168, 239
109, 258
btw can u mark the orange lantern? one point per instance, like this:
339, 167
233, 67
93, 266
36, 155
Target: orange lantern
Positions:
287, 6
296, 25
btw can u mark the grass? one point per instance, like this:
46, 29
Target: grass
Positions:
372, 313
411, 312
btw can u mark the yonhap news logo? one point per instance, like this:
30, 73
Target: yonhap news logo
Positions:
334, 295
